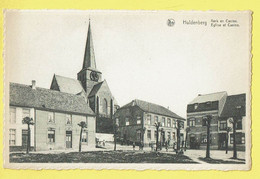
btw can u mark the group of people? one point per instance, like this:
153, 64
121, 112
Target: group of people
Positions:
166, 145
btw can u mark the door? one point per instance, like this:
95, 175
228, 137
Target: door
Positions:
68, 139
222, 140
24, 138
192, 142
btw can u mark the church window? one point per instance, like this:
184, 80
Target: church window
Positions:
105, 106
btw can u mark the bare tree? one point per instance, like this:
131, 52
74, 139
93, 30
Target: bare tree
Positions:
28, 121
186, 138
82, 125
157, 126
228, 129
178, 128
207, 121
115, 132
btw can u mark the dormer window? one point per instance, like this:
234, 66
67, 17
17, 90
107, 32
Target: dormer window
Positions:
196, 106
208, 103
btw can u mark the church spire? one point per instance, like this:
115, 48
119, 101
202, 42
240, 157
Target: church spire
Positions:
89, 56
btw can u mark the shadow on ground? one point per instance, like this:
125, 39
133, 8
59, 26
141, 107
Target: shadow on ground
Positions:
101, 157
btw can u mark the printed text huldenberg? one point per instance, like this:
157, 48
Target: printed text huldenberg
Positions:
194, 22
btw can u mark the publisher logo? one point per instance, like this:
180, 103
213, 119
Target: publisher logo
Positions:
170, 22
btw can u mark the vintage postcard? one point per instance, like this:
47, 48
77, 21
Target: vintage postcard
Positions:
159, 90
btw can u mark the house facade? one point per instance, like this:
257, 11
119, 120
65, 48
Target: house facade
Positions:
222, 108
55, 116
136, 123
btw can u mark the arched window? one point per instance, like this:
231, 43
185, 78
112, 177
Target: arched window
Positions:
105, 106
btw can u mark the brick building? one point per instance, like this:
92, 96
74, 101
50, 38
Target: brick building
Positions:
55, 115
136, 121
90, 85
222, 108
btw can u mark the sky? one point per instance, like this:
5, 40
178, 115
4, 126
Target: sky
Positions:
139, 55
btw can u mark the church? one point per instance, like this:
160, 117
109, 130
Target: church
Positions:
92, 87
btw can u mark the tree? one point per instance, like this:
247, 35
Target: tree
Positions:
82, 125
115, 132
186, 138
28, 121
157, 126
207, 121
178, 127
228, 130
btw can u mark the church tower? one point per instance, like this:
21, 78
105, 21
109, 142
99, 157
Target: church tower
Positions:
89, 75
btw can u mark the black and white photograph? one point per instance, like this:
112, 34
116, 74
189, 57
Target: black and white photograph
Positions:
107, 89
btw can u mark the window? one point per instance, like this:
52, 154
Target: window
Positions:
138, 133
149, 119
12, 137
163, 121
26, 113
223, 125
192, 122
208, 104
51, 117
126, 121
149, 134
84, 137
169, 122
156, 119
155, 135
51, 135
105, 106
239, 124
68, 119
174, 124
173, 136
196, 106
138, 121
240, 138
12, 118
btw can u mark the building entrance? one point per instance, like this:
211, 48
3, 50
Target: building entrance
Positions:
68, 139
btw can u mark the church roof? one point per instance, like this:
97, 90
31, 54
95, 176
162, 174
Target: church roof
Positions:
46, 99
153, 108
95, 89
68, 85
233, 104
209, 97
89, 56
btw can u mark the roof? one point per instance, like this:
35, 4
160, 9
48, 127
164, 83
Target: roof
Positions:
95, 89
209, 97
153, 108
233, 103
68, 85
41, 98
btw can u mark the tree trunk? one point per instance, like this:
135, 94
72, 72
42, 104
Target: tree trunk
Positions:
178, 139
186, 138
28, 139
208, 140
115, 142
227, 143
234, 139
157, 138
80, 138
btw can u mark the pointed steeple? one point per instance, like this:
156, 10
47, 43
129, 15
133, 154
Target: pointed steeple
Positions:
89, 56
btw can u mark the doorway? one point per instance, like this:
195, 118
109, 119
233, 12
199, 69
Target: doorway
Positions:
24, 138
68, 139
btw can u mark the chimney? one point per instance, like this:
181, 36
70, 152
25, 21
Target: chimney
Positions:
199, 94
33, 84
